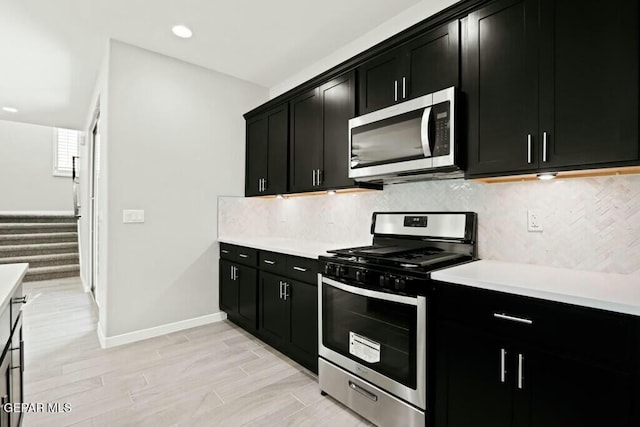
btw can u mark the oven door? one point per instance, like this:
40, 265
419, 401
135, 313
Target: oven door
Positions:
378, 336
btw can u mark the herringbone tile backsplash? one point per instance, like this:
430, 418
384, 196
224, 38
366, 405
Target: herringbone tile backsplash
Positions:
589, 223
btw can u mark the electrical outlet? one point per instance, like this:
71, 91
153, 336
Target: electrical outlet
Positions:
534, 220
130, 216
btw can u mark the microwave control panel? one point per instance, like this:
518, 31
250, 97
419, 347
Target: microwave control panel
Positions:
441, 116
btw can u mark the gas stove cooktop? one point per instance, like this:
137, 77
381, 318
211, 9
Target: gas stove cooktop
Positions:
406, 247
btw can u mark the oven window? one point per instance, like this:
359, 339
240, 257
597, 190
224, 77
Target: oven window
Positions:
376, 333
387, 141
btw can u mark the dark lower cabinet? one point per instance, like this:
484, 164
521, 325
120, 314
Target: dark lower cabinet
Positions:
277, 302
289, 317
556, 371
239, 293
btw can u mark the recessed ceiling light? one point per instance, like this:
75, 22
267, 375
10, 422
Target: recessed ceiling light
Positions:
182, 31
10, 109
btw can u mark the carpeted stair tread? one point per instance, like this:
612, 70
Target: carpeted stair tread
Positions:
54, 272
37, 248
35, 227
31, 218
26, 239
43, 260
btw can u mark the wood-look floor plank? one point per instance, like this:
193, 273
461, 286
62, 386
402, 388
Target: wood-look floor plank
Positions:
212, 375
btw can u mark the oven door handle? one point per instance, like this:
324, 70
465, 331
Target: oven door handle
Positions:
371, 294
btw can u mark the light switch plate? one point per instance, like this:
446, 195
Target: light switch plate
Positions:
534, 220
130, 216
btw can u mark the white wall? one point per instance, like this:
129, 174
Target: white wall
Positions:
175, 142
26, 165
589, 223
392, 26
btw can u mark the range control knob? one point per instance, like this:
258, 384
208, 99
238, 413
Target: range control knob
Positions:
329, 269
360, 275
385, 282
400, 284
341, 271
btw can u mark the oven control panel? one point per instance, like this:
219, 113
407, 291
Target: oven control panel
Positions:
376, 279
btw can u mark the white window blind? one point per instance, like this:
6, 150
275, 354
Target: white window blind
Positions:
65, 148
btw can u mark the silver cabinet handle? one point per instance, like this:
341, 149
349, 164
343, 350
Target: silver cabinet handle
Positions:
236, 270
544, 146
286, 290
529, 148
243, 255
520, 369
503, 367
268, 261
395, 90
260, 185
264, 184
512, 318
281, 292
300, 269
365, 393
224, 251
319, 180
232, 273
404, 87
313, 177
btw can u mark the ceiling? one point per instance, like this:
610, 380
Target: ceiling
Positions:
51, 50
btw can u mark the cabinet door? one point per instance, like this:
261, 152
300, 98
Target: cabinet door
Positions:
470, 390
278, 138
5, 388
502, 88
338, 106
303, 339
257, 149
274, 313
433, 61
568, 392
380, 81
228, 288
588, 82
247, 283
17, 369
306, 140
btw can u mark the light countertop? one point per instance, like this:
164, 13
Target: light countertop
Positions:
11, 276
614, 292
302, 248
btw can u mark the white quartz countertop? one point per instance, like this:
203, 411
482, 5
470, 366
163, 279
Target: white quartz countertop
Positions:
302, 248
614, 292
11, 276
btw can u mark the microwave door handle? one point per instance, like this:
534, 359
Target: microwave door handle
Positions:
424, 131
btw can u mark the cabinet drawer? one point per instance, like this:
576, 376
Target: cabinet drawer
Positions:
228, 251
304, 269
566, 330
273, 262
241, 254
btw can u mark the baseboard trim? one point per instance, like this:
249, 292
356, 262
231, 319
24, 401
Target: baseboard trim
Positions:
116, 340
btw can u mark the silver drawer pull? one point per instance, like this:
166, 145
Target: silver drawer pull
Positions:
243, 256
513, 318
503, 366
268, 261
224, 251
520, 369
363, 392
300, 269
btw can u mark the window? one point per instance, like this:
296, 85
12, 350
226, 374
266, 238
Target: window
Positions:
65, 147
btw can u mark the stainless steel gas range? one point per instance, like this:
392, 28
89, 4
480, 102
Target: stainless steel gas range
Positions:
373, 313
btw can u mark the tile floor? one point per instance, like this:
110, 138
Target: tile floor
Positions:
214, 375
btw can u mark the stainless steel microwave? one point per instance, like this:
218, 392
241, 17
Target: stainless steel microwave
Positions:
411, 140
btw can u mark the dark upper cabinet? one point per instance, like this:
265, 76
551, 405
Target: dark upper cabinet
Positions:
306, 140
424, 65
267, 151
338, 106
548, 83
320, 137
588, 82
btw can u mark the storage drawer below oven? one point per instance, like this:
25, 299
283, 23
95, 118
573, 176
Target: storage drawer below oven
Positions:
376, 405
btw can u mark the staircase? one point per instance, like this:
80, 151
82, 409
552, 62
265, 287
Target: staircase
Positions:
49, 243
